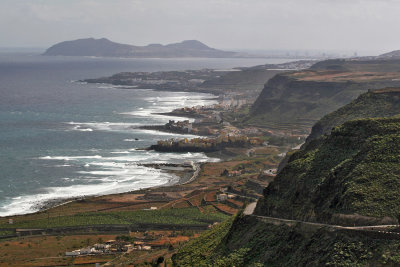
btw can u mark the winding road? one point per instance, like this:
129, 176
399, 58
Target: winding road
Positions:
249, 211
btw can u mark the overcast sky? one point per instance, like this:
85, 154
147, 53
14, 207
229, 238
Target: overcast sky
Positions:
370, 25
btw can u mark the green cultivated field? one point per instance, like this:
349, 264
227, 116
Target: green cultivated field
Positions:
184, 216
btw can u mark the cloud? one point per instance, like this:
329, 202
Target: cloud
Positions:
256, 24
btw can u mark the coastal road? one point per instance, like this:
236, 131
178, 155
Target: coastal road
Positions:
249, 210
197, 169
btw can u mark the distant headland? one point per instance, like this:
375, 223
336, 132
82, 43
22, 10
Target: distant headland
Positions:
106, 48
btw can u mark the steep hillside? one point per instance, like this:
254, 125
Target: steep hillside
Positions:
376, 103
390, 55
299, 99
106, 48
246, 81
247, 241
349, 177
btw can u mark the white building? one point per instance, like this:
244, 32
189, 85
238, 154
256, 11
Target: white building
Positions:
72, 253
222, 197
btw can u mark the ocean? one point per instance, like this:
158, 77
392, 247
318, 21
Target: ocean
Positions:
61, 138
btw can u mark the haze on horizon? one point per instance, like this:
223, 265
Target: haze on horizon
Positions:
337, 25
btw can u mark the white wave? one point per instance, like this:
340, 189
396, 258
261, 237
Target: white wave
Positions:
166, 104
108, 173
63, 165
126, 181
105, 175
78, 128
120, 152
155, 132
71, 157
122, 171
103, 126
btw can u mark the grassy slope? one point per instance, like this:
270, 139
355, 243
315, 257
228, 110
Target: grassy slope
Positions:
355, 170
198, 251
183, 216
248, 242
378, 103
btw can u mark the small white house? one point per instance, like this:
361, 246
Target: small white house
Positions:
85, 251
72, 253
222, 197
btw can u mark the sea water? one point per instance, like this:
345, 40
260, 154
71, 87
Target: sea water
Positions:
60, 138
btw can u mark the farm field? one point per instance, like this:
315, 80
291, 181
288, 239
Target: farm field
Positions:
179, 216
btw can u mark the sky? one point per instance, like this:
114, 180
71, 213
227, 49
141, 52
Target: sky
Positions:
348, 25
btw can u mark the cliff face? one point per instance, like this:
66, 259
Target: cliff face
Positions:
106, 48
287, 100
349, 177
247, 81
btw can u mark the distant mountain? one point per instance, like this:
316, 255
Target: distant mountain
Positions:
106, 48
391, 55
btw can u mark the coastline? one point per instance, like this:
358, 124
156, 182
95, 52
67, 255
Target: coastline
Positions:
215, 95
177, 178
182, 177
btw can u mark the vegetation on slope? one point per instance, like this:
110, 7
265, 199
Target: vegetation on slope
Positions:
198, 251
378, 103
349, 177
340, 178
250, 242
182, 216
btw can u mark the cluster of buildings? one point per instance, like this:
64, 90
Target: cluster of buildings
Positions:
233, 103
224, 196
231, 173
109, 247
196, 110
179, 126
217, 143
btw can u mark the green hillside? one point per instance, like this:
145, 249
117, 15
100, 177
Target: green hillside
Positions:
350, 177
340, 178
247, 241
347, 176
377, 103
